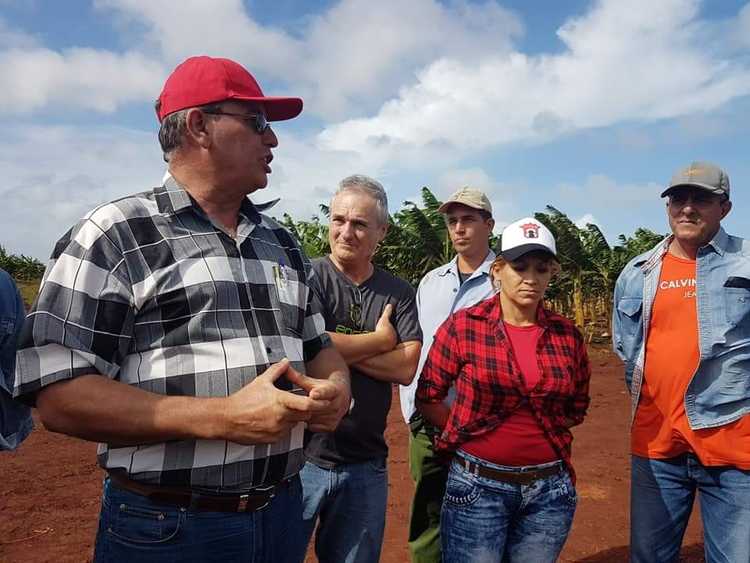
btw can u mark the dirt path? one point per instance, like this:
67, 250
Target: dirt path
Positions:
49, 489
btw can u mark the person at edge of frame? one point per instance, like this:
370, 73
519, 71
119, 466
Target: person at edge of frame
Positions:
681, 324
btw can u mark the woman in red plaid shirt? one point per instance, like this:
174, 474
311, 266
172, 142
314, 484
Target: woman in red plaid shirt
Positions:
506, 380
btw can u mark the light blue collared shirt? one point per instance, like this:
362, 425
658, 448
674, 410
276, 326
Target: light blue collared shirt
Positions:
439, 295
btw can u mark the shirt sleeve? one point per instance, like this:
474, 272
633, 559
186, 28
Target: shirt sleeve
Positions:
579, 403
82, 320
407, 319
442, 365
314, 335
616, 320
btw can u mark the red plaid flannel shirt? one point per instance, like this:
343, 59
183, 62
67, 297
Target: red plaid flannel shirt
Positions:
472, 353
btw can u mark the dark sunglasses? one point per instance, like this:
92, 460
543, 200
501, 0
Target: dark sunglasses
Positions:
700, 198
257, 121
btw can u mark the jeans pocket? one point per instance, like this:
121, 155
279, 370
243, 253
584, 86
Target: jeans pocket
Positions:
565, 490
378, 465
461, 489
139, 523
737, 302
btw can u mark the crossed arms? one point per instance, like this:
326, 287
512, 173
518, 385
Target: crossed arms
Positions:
378, 354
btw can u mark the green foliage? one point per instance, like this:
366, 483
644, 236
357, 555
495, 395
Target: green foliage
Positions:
21, 267
418, 241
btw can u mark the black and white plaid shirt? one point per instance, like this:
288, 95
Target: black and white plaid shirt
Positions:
146, 290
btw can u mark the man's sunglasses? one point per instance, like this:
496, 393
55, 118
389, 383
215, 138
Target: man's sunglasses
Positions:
257, 121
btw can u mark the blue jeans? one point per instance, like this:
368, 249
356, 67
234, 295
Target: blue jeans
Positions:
349, 501
485, 521
661, 499
132, 528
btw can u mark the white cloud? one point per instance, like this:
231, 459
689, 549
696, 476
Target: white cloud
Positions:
346, 60
14, 38
586, 219
362, 52
53, 175
602, 192
217, 28
623, 61
34, 78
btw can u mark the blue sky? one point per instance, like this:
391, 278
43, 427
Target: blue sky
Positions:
587, 106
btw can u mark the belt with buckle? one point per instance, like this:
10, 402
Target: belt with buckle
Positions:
252, 501
525, 477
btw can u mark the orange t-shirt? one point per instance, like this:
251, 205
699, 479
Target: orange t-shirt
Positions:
660, 428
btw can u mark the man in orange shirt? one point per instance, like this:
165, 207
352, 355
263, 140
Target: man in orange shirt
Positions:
682, 326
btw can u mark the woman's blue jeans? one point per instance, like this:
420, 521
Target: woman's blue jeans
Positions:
484, 520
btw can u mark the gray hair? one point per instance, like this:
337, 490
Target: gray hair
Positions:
369, 186
173, 128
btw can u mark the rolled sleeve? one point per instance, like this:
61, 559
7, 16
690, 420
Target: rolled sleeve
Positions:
407, 318
441, 367
82, 320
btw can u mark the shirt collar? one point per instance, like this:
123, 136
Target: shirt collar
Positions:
491, 309
171, 198
718, 244
484, 268
720, 241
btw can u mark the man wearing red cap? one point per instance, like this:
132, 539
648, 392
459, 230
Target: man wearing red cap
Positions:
175, 326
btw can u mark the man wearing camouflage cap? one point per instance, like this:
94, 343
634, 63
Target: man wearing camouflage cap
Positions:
462, 282
682, 326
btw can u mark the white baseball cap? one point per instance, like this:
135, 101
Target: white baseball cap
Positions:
524, 236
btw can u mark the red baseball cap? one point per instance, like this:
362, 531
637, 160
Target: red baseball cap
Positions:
206, 80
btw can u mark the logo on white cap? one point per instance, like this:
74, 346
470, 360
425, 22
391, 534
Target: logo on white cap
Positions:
530, 230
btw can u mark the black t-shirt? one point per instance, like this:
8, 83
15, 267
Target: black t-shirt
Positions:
351, 308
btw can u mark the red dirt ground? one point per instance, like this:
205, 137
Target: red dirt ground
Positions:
49, 489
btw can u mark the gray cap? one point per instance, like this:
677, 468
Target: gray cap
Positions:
702, 175
470, 197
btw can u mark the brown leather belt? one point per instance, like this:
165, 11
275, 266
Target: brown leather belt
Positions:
254, 500
513, 477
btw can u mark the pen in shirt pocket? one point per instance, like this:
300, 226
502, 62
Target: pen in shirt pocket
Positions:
280, 275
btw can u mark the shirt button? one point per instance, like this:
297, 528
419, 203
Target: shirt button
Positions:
268, 349
454, 290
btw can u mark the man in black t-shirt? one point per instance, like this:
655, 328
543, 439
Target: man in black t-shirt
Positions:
371, 317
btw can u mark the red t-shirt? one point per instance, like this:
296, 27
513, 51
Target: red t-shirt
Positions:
519, 440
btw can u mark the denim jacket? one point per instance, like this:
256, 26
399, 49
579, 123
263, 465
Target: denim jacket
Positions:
15, 418
719, 390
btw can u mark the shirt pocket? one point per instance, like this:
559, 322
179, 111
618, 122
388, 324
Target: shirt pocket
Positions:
289, 294
630, 311
737, 296
631, 306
